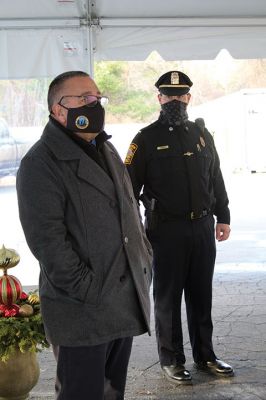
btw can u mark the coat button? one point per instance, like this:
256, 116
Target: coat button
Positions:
126, 239
145, 270
122, 278
171, 128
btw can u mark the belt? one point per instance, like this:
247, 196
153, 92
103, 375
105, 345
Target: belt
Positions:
194, 215
189, 217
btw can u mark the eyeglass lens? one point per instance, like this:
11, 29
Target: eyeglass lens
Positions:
92, 100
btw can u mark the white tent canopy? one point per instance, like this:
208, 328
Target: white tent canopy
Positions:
40, 38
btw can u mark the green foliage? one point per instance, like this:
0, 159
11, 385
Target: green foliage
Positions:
125, 99
109, 78
23, 333
137, 106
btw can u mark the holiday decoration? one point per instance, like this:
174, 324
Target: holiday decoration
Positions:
21, 326
10, 289
9, 311
9, 258
26, 310
34, 299
10, 286
21, 333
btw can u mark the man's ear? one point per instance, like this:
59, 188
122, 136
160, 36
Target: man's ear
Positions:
188, 97
55, 110
59, 114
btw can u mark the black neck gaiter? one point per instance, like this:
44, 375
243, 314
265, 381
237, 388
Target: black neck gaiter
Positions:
174, 112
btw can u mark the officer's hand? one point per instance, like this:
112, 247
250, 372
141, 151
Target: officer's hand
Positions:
222, 232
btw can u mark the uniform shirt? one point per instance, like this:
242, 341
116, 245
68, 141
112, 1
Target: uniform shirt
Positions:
180, 168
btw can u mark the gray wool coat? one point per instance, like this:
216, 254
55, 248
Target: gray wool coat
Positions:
85, 230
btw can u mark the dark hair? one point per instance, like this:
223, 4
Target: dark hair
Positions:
57, 84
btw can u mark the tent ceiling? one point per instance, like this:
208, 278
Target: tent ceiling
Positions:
46, 37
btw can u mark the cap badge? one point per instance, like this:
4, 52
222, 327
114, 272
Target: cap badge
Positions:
82, 122
174, 78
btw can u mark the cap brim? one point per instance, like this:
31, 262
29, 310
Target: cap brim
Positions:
174, 91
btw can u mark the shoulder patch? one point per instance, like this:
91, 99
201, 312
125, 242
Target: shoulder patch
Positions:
130, 154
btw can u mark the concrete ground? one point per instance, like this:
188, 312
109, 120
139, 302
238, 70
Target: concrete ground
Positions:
239, 316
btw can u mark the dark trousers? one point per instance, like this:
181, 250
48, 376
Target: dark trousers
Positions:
93, 372
184, 258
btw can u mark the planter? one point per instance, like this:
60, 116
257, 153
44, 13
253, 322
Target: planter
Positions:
18, 376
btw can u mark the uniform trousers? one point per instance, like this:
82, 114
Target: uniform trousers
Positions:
184, 258
93, 372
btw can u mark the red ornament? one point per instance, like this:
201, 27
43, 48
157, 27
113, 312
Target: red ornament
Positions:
10, 289
9, 311
23, 296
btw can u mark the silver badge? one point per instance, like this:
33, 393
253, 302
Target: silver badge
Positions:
174, 78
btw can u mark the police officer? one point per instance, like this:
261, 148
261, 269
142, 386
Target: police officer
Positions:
175, 171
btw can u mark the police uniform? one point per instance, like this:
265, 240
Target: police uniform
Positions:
178, 169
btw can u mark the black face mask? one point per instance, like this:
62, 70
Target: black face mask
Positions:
174, 112
86, 119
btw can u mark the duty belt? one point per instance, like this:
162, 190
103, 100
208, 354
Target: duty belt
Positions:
194, 215
189, 217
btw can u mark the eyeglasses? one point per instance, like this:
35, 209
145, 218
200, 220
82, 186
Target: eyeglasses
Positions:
88, 100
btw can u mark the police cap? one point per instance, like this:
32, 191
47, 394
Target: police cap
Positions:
174, 83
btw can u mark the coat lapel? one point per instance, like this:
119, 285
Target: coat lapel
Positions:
88, 170
92, 173
117, 170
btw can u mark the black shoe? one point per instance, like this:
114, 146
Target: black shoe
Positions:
176, 373
217, 367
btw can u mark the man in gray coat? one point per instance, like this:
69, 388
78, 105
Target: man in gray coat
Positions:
81, 222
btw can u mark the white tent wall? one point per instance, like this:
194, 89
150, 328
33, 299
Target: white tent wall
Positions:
46, 37
184, 43
31, 54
